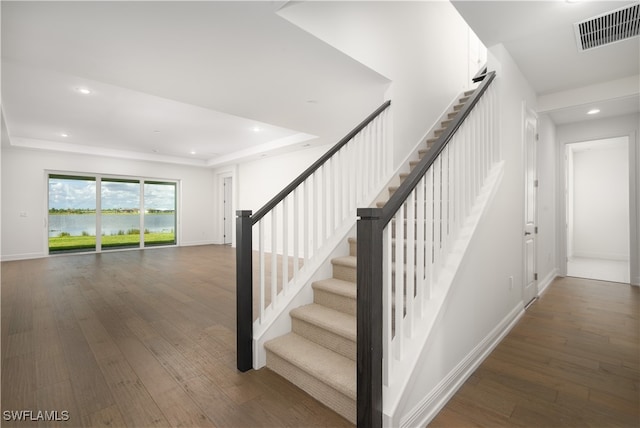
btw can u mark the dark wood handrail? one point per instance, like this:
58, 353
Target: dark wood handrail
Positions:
411, 182
317, 164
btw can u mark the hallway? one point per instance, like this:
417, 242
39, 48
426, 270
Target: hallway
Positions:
573, 360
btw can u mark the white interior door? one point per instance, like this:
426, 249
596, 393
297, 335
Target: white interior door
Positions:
530, 291
228, 210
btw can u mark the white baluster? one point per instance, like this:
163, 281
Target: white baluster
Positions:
262, 290
399, 283
420, 244
274, 255
410, 262
305, 220
429, 239
285, 245
296, 232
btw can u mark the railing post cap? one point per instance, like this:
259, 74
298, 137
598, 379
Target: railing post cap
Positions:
243, 213
369, 213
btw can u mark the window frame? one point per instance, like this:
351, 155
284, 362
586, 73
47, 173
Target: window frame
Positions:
98, 178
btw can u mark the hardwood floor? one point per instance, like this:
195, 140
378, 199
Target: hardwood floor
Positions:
147, 338
138, 339
573, 360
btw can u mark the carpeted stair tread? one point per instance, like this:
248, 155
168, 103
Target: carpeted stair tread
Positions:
344, 268
347, 261
337, 286
329, 319
327, 366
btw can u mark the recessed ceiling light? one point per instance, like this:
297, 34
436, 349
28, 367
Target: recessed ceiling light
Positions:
84, 91
594, 111
255, 129
193, 152
64, 135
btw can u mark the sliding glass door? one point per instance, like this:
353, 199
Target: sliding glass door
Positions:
159, 213
72, 213
127, 212
120, 213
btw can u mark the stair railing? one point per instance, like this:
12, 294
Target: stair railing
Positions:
295, 230
395, 275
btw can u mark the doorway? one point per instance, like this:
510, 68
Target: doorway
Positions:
227, 193
530, 137
597, 214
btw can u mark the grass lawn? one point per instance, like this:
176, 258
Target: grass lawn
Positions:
65, 243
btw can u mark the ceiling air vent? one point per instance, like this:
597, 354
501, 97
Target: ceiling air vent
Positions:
610, 27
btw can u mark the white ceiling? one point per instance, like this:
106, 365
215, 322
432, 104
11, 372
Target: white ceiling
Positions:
188, 82
540, 37
200, 83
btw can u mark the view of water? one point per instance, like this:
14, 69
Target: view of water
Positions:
75, 224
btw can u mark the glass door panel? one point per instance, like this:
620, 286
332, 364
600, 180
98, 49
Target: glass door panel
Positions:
120, 213
72, 214
159, 213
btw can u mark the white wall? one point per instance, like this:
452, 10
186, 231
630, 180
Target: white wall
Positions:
259, 181
24, 189
601, 200
547, 240
396, 39
629, 126
481, 298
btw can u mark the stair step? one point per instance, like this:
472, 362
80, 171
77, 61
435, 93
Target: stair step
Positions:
327, 327
325, 375
336, 294
469, 92
445, 123
438, 132
344, 268
353, 247
464, 99
452, 114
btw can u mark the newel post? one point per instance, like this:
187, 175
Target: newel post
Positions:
244, 291
369, 307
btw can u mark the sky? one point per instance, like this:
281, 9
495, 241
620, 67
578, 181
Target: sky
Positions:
81, 194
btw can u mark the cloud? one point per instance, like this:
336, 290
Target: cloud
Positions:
68, 193
81, 194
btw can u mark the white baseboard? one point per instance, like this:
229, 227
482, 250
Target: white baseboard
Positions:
196, 243
25, 256
428, 408
544, 283
604, 256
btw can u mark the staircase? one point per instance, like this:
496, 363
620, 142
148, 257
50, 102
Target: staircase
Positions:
319, 354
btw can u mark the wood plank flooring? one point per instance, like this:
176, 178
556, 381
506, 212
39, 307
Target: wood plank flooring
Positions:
147, 338
573, 360
137, 339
